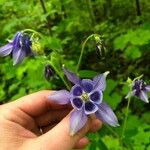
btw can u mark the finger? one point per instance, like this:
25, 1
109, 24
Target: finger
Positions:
49, 127
51, 116
82, 143
62, 132
96, 124
37, 103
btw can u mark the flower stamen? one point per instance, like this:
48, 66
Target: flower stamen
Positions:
85, 97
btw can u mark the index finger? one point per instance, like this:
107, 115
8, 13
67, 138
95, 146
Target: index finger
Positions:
37, 103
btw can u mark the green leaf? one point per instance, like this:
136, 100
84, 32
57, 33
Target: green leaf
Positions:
132, 52
87, 73
120, 42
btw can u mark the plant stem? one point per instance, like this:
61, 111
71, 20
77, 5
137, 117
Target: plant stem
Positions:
82, 50
117, 136
60, 75
126, 116
48, 17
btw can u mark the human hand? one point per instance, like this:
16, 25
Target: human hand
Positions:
21, 122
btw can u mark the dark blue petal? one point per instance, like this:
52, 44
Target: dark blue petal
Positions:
6, 50
106, 115
76, 90
16, 41
96, 97
26, 43
77, 102
87, 85
90, 108
77, 120
71, 76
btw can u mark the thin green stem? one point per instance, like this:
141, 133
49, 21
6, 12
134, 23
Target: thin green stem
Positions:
117, 136
48, 17
82, 50
61, 76
126, 116
32, 31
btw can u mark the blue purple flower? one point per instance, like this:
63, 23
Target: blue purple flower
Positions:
19, 47
140, 89
86, 97
48, 72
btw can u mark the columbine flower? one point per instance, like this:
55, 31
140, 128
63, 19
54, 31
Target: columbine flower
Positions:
19, 47
139, 89
86, 98
48, 72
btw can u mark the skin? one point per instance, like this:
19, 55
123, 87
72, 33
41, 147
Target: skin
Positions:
21, 120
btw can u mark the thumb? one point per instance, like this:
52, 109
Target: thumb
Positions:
59, 137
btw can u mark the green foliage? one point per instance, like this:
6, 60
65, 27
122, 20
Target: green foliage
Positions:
64, 27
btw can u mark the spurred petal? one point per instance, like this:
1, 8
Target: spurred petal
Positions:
90, 108
77, 120
100, 81
96, 97
6, 50
105, 114
60, 97
147, 87
87, 85
71, 76
77, 103
76, 90
18, 56
144, 97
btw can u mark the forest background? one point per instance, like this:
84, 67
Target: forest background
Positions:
124, 26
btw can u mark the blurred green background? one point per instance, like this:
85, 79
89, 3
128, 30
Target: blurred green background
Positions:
65, 24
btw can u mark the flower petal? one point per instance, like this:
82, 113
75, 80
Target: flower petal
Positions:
71, 76
105, 114
16, 41
96, 97
144, 97
90, 108
100, 81
132, 93
6, 50
77, 103
87, 85
76, 90
18, 56
147, 87
60, 97
77, 120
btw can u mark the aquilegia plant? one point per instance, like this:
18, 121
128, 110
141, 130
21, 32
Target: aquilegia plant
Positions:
19, 47
139, 89
86, 97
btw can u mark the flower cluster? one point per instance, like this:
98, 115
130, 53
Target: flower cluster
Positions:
19, 47
139, 89
86, 97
